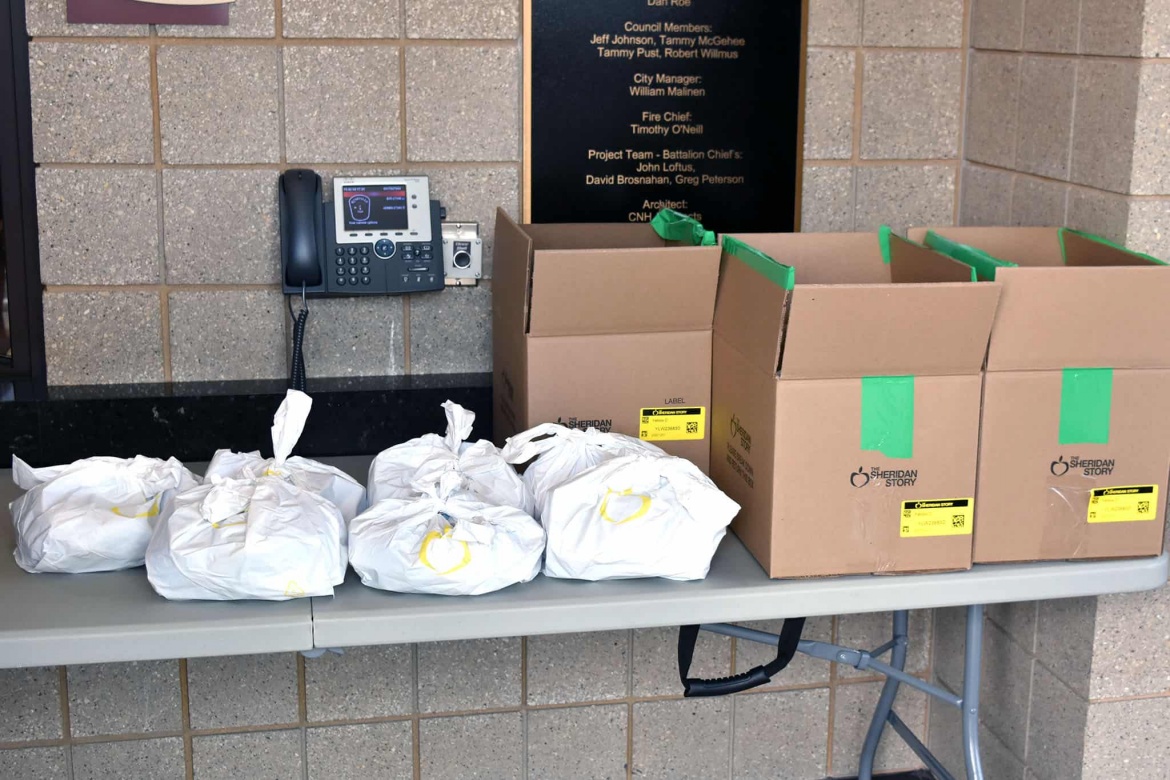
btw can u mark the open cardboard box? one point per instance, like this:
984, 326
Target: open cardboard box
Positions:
605, 326
1075, 445
846, 401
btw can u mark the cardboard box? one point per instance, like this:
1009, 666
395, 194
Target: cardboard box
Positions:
606, 326
846, 402
1075, 445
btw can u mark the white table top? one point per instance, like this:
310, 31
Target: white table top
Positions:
49, 619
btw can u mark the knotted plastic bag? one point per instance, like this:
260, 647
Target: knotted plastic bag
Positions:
257, 529
330, 483
446, 541
398, 471
636, 516
558, 454
91, 515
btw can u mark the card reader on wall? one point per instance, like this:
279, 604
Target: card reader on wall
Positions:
381, 235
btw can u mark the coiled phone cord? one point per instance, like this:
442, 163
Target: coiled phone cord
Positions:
297, 379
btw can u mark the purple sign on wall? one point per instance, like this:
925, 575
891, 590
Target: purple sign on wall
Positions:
136, 12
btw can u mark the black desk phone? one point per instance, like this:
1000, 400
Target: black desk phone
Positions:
381, 235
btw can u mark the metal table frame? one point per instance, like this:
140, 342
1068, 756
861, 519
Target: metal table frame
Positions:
968, 702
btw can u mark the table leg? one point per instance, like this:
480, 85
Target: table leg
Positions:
886, 702
895, 673
972, 674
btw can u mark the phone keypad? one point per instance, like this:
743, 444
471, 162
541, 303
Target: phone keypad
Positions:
411, 266
396, 267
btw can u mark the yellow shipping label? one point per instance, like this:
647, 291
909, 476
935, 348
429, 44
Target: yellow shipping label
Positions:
673, 423
1128, 504
938, 517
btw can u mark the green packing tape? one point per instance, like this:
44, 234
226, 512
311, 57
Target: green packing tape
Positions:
884, 241
1102, 240
672, 225
1086, 404
773, 271
982, 263
887, 415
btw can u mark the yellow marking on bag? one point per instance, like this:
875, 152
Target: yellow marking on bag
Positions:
444, 534
229, 525
152, 511
293, 590
643, 509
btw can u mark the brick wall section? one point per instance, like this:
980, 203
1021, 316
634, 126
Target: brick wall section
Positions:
883, 113
1067, 118
169, 141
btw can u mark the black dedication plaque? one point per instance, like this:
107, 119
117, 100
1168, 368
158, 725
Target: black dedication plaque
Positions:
636, 105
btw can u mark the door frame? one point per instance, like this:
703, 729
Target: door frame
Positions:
18, 200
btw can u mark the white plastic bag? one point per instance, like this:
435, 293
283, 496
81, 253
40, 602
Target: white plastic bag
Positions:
330, 483
559, 453
447, 542
91, 515
257, 529
397, 471
636, 516
260, 538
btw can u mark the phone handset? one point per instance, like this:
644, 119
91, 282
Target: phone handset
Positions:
302, 229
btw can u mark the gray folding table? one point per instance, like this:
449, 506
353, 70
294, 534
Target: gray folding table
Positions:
96, 618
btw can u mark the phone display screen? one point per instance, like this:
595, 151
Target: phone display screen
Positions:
375, 207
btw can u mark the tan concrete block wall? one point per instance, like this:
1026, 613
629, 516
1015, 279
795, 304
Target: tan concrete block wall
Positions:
1067, 123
